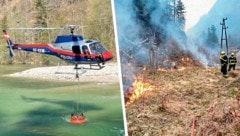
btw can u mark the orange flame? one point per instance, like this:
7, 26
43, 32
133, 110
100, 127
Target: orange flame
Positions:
166, 70
144, 68
137, 90
181, 68
161, 69
186, 59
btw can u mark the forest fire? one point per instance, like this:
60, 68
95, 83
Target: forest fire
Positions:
178, 65
185, 59
137, 90
161, 69
188, 60
140, 86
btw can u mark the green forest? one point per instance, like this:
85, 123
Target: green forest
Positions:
93, 17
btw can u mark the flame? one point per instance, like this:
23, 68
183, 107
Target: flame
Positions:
137, 90
161, 69
185, 58
181, 68
144, 68
166, 70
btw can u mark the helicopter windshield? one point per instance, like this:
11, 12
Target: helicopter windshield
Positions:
97, 47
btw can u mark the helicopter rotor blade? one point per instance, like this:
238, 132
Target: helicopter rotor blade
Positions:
70, 27
37, 28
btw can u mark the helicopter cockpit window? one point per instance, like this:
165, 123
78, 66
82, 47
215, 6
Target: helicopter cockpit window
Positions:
85, 49
97, 47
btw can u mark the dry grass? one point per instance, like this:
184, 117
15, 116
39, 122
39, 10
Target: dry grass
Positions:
180, 96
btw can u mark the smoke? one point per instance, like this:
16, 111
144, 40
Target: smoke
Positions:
149, 36
141, 28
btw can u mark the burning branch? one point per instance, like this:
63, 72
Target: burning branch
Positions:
137, 90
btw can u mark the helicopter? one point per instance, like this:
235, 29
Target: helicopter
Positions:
72, 48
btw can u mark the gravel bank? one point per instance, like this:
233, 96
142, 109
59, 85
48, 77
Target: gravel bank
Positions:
67, 73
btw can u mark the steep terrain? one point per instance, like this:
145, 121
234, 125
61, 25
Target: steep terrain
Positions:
95, 15
221, 9
193, 100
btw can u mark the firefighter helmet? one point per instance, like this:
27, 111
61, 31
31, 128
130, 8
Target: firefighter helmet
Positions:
222, 52
232, 54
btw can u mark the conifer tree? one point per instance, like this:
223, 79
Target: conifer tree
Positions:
41, 20
212, 39
41, 15
180, 17
4, 23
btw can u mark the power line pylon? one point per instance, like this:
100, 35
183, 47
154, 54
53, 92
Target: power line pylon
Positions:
224, 34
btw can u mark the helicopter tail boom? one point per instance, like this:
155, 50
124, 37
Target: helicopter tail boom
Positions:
9, 42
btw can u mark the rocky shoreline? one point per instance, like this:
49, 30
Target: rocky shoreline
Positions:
108, 74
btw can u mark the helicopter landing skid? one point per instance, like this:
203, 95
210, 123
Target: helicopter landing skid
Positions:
97, 65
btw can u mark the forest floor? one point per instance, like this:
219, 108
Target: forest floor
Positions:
193, 101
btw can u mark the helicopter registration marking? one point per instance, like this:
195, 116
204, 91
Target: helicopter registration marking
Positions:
66, 57
39, 50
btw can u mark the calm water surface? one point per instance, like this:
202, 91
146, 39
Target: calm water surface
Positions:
33, 107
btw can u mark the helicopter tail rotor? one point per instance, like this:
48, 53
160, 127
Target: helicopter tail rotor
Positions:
11, 53
9, 42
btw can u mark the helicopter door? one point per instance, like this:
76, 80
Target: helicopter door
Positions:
76, 49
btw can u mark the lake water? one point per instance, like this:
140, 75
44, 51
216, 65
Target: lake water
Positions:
42, 108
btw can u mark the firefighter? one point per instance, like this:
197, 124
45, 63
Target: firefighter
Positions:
232, 62
224, 63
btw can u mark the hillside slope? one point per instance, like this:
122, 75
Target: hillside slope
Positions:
221, 9
184, 96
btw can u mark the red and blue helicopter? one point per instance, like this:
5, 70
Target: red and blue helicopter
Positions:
71, 48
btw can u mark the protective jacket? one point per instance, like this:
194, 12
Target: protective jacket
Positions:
224, 60
232, 60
